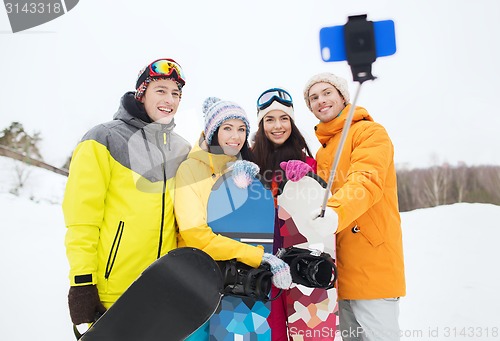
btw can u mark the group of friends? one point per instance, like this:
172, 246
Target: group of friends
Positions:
136, 190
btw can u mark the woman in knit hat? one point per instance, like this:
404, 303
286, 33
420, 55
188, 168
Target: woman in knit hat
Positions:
279, 146
223, 141
363, 211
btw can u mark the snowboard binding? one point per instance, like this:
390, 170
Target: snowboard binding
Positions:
242, 280
311, 268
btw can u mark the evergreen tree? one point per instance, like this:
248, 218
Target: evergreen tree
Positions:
17, 139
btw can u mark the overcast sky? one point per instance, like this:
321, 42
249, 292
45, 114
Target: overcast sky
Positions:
437, 96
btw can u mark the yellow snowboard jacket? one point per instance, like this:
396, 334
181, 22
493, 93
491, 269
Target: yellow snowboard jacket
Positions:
194, 181
369, 238
118, 204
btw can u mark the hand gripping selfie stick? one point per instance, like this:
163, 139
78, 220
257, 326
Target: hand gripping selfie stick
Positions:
360, 50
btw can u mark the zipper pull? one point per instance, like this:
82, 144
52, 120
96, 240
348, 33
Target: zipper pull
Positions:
164, 138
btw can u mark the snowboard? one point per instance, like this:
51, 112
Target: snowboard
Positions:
170, 300
246, 215
312, 312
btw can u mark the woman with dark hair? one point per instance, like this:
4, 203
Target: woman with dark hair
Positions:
278, 142
280, 150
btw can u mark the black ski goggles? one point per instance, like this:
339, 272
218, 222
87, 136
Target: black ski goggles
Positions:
271, 95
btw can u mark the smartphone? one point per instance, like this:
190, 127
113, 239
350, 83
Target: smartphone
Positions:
332, 41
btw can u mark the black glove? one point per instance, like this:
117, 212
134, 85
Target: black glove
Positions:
84, 304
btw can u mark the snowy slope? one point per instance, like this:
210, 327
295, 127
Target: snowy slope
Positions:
450, 254
40, 185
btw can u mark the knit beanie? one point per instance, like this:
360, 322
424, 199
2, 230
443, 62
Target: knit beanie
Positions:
338, 82
216, 111
275, 106
144, 78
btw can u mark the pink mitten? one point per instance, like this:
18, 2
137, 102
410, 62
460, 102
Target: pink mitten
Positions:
295, 169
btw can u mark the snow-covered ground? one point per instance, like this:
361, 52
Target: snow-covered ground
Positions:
451, 258
450, 254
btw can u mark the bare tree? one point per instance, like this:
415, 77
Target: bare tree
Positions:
460, 181
22, 173
440, 185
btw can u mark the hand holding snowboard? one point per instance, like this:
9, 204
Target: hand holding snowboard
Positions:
295, 169
84, 304
282, 279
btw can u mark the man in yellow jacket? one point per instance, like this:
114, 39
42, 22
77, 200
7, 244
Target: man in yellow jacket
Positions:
118, 204
363, 211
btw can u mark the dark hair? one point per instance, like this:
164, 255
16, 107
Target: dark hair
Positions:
245, 152
268, 156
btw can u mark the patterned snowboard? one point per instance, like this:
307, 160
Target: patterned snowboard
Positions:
312, 312
246, 215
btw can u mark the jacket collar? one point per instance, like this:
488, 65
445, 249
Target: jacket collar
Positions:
325, 130
132, 112
218, 163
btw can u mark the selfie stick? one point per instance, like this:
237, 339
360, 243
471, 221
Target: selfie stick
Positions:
345, 131
360, 51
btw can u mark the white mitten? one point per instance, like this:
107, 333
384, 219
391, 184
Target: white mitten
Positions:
282, 278
324, 225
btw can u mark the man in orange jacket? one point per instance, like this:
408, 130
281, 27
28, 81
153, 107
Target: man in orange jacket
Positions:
363, 211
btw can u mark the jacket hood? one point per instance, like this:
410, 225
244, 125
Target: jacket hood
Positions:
217, 162
325, 130
131, 111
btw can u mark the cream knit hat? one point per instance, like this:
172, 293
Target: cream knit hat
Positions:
338, 82
275, 106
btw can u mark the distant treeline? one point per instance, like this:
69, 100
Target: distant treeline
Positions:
417, 188
442, 185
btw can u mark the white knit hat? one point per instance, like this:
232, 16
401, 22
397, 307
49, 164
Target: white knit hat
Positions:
275, 106
338, 82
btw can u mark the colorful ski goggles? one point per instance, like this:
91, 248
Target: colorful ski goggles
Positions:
162, 68
274, 94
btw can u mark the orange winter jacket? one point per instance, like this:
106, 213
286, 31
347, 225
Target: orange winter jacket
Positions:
369, 239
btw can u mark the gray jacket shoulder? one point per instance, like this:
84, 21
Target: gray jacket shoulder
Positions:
102, 132
115, 136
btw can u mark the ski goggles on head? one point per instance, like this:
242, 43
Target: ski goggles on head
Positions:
163, 68
271, 95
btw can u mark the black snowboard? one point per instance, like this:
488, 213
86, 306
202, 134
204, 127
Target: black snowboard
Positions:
172, 298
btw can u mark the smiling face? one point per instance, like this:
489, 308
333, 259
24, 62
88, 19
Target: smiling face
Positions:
326, 102
277, 127
161, 100
232, 136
